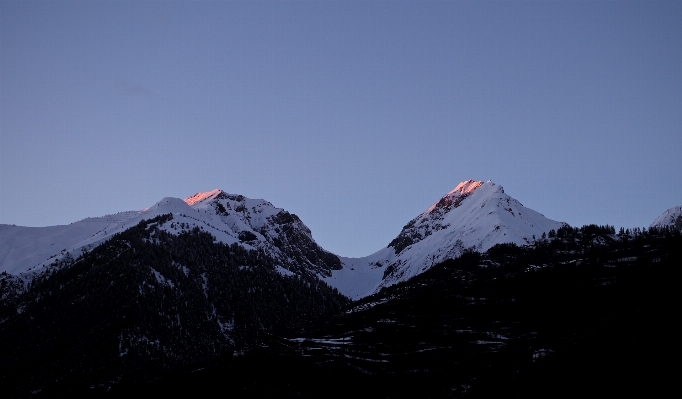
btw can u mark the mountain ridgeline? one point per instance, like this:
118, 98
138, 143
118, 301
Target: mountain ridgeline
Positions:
473, 287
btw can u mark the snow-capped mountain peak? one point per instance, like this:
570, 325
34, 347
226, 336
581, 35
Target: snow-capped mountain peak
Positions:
474, 215
671, 218
464, 207
258, 223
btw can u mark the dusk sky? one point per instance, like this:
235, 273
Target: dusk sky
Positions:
356, 116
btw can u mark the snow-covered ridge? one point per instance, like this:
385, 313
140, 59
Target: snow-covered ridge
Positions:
23, 248
251, 223
474, 214
114, 218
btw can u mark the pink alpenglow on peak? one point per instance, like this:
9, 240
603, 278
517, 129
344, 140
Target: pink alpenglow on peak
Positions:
466, 187
198, 197
463, 190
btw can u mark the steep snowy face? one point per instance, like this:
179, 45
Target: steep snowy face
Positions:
257, 223
671, 218
474, 215
433, 218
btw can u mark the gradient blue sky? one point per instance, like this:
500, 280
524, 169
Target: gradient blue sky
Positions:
354, 115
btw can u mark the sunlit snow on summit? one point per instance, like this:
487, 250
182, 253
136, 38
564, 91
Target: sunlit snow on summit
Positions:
198, 197
462, 190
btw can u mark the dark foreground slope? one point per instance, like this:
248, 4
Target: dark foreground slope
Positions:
585, 313
143, 304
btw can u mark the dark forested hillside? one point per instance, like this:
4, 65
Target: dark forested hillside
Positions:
144, 303
585, 312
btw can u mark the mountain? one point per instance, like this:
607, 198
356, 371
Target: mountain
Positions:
133, 295
190, 283
251, 223
158, 296
671, 218
474, 215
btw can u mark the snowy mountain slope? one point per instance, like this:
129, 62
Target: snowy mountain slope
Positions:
251, 223
22, 248
671, 218
474, 215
